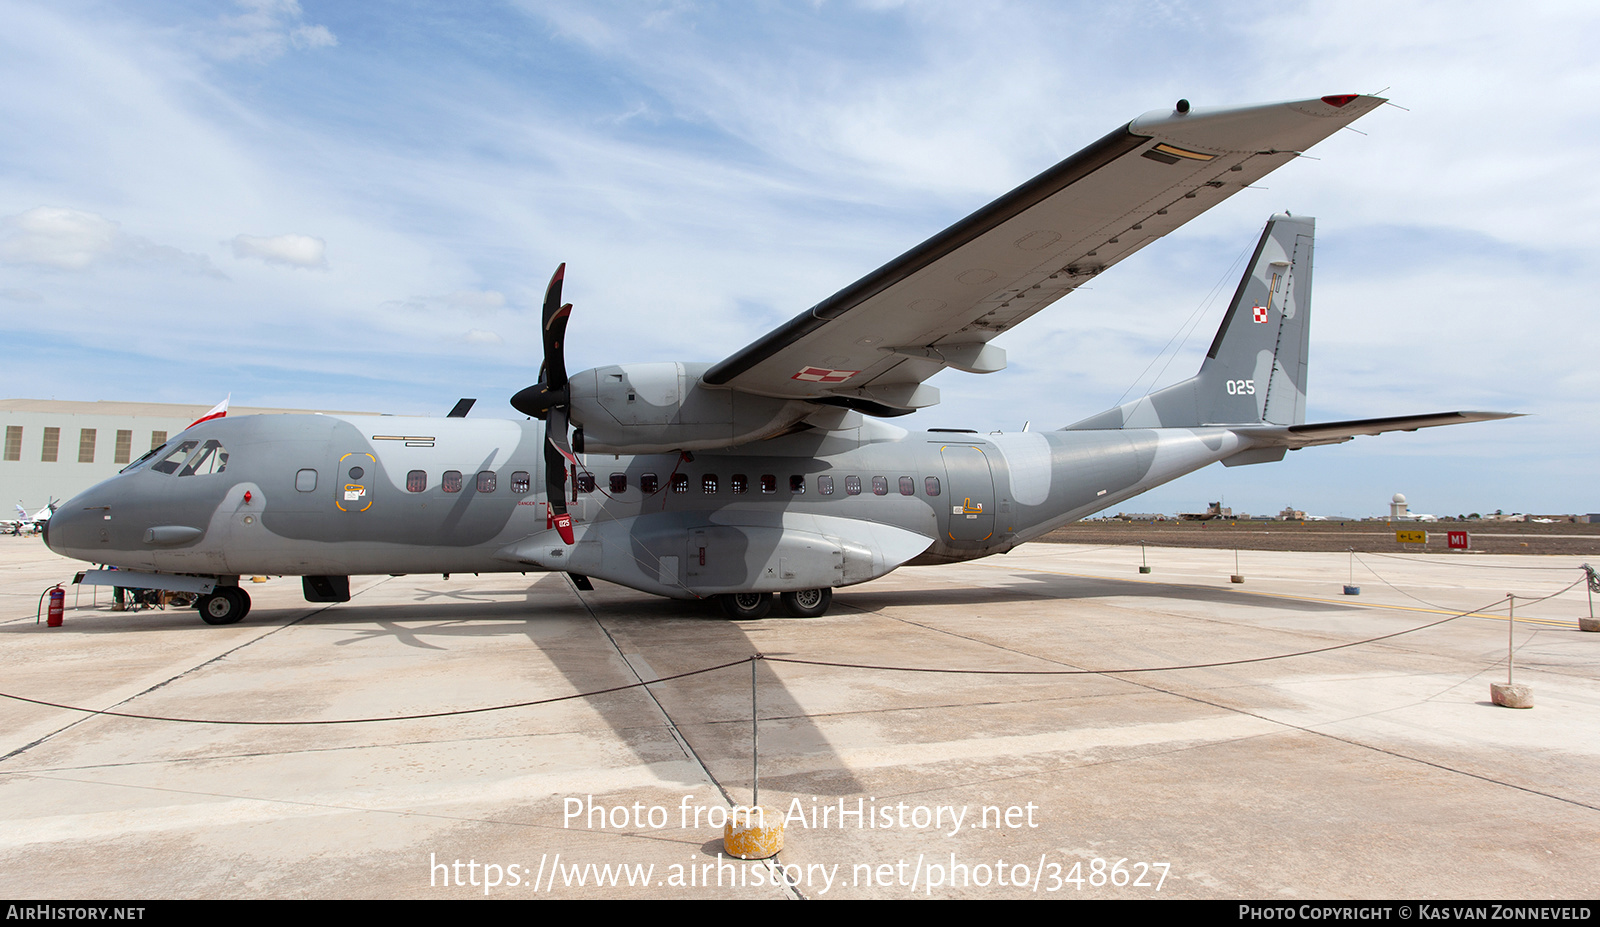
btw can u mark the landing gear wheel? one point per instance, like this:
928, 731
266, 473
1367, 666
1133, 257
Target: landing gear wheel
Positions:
807, 603
227, 605
745, 605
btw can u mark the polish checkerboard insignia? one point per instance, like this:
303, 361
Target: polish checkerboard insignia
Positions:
823, 375
1260, 314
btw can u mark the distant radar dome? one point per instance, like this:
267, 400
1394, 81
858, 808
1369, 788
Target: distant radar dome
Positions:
1399, 499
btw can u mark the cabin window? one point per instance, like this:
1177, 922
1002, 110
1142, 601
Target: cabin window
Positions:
708, 484
487, 480
825, 485
520, 481
586, 482
852, 485
649, 483
931, 485
908, 486
170, 463
417, 481
451, 482
619, 483
739, 484
306, 481
769, 483
124, 447
797, 484
880, 486
680, 482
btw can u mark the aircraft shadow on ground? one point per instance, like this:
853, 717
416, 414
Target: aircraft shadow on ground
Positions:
637, 622
1033, 587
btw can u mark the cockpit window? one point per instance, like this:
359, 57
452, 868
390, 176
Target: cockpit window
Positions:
210, 458
174, 458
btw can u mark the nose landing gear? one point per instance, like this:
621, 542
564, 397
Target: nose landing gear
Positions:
227, 605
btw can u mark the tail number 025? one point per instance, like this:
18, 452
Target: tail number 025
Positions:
1241, 387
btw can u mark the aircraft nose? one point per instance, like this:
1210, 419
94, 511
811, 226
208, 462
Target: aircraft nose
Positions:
67, 531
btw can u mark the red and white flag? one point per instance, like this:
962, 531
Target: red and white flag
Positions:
217, 411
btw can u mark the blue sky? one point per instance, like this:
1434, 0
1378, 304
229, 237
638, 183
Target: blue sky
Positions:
356, 206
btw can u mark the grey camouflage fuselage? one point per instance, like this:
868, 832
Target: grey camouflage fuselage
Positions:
841, 499
994, 492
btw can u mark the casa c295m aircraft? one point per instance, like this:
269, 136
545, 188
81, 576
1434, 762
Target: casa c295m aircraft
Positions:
771, 471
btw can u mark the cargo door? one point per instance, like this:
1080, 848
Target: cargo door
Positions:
968, 515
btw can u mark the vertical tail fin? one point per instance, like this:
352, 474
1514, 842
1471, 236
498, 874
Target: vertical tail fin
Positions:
1255, 371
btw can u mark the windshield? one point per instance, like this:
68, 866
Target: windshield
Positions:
143, 460
191, 458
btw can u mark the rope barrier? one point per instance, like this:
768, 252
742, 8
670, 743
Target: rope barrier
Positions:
794, 660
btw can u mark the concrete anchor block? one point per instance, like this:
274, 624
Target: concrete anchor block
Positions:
753, 833
1511, 695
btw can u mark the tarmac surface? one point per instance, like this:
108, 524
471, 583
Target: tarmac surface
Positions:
1376, 770
1573, 539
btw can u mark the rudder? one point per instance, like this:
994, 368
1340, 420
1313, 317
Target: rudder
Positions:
1256, 368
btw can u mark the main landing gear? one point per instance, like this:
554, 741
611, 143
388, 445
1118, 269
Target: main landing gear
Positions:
226, 605
744, 606
807, 603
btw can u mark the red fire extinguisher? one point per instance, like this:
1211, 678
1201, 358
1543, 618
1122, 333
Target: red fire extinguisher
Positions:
58, 606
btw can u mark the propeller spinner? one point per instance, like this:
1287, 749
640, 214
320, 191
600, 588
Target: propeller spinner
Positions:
551, 399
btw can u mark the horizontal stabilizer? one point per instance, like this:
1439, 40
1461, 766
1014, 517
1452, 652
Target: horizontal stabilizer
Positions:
1339, 432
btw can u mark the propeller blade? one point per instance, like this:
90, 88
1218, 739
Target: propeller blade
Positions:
556, 434
556, 457
551, 390
549, 399
555, 319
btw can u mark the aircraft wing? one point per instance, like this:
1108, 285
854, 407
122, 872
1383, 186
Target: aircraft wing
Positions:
1297, 436
871, 345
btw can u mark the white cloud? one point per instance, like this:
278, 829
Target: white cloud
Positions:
291, 250
312, 37
71, 239
477, 301
265, 30
479, 336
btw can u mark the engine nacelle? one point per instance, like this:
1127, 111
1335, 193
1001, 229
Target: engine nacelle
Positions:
657, 408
